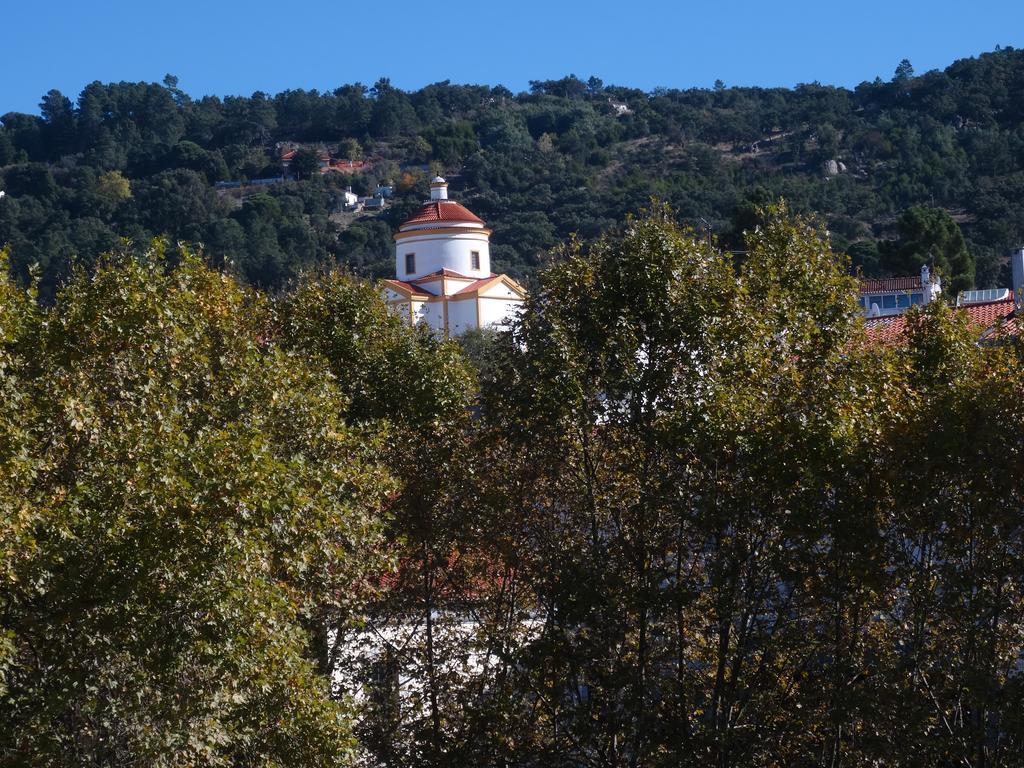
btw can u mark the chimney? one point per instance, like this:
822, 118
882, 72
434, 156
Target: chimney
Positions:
438, 189
1017, 265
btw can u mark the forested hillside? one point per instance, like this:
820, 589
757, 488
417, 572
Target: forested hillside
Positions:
927, 167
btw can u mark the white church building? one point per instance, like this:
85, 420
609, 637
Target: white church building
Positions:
443, 272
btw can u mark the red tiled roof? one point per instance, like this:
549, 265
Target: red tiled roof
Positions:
475, 285
891, 330
409, 287
442, 210
445, 272
1010, 327
989, 313
478, 285
886, 330
885, 284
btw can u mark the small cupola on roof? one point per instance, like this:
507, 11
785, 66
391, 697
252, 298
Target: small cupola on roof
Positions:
438, 189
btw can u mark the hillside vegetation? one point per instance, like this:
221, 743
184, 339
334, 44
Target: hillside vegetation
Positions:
920, 168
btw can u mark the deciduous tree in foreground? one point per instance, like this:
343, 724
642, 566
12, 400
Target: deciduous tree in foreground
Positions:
179, 495
751, 538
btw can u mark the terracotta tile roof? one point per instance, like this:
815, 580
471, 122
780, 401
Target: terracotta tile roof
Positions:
476, 285
409, 287
445, 272
887, 284
990, 312
442, 210
886, 330
891, 330
479, 285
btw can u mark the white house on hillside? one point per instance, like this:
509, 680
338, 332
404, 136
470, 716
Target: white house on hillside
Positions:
443, 270
886, 296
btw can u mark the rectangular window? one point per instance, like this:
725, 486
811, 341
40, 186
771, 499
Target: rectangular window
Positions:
888, 302
474, 257
410, 263
902, 301
916, 298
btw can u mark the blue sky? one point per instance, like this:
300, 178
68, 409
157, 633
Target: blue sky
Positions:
228, 47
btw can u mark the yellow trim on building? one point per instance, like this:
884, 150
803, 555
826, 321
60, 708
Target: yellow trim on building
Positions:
441, 231
497, 279
397, 287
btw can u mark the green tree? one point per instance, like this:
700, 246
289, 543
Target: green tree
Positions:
305, 162
58, 123
678, 449
931, 236
180, 493
392, 114
112, 189
18, 517
951, 633
350, 149
177, 203
421, 385
904, 71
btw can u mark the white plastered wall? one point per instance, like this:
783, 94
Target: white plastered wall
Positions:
452, 251
498, 311
461, 316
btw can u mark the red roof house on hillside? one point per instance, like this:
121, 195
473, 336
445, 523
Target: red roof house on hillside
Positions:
992, 319
994, 312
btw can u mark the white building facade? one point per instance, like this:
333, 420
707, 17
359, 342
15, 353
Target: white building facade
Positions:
886, 296
443, 272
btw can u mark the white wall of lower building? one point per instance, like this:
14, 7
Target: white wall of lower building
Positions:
419, 311
497, 311
494, 309
403, 643
461, 316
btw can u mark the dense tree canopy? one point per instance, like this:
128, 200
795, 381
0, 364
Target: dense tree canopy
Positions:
180, 495
744, 536
930, 236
